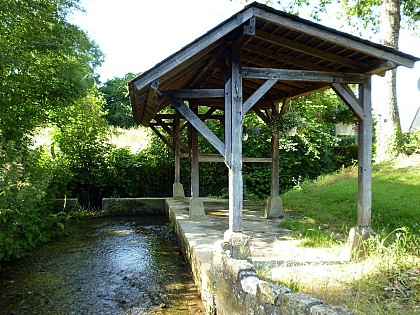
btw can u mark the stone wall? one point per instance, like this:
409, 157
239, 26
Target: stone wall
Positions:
238, 291
146, 206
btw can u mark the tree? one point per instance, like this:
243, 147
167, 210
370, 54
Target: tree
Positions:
383, 16
46, 63
117, 106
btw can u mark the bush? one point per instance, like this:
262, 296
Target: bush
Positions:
26, 217
411, 142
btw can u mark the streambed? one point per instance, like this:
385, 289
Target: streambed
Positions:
114, 265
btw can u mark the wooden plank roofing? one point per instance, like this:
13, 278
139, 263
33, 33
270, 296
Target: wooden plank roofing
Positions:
269, 39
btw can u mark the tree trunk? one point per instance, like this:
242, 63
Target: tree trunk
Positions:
389, 126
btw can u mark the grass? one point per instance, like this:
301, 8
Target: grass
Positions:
330, 203
135, 138
321, 212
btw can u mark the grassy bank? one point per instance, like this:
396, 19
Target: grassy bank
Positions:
320, 213
329, 204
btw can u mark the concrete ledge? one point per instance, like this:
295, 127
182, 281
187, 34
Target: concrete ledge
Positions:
231, 286
147, 206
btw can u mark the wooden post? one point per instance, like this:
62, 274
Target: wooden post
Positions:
363, 229
178, 189
274, 206
233, 128
196, 204
364, 204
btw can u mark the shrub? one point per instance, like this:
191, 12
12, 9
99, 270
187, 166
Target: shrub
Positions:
411, 142
26, 217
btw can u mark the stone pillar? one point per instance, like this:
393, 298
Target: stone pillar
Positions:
196, 204
274, 206
364, 205
177, 189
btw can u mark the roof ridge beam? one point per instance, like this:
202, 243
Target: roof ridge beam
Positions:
301, 75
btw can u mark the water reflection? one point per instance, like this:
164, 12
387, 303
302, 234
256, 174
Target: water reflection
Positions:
108, 266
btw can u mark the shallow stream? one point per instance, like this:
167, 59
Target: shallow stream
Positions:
118, 265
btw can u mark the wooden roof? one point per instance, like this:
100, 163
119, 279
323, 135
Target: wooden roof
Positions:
269, 39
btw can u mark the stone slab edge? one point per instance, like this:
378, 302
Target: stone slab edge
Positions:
200, 266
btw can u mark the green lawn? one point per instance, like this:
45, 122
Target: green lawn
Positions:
331, 201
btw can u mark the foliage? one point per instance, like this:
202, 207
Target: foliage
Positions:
411, 142
146, 173
368, 11
26, 217
81, 137
284, 124
46, 63
117, 107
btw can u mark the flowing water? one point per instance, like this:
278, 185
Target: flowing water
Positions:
119, 265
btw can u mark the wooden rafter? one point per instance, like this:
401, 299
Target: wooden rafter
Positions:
310, 50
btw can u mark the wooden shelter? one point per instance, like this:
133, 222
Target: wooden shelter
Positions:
257, 61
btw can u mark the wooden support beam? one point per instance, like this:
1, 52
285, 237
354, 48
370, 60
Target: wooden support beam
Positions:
192, 118
249, 28
275, 155
348, 97
177, 151
274, 207
301, 75
165, 141
194, 93
285, 106
195, 175
234, 124
320, 87
208, 68
171, 133
177, 188
260, 114
364, 205
381, 68
256, 96
279, 56
203, 117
